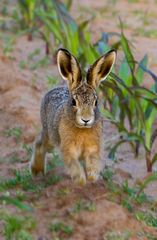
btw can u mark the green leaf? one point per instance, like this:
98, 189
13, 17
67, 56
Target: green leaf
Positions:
142, 91
134, 137
127, 51
68, 4
120, 81
15, 202
140, 71
148, 128
148, 180
113, 150
107, 114
150, 73
83, 25
153, 137
124, 70
154, 159
148, 111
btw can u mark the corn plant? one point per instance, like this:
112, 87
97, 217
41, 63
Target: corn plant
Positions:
27, 10
57, 23
128, 100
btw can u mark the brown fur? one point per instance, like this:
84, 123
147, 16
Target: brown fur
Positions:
78, 144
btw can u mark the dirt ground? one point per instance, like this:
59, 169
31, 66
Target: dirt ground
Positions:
21, 90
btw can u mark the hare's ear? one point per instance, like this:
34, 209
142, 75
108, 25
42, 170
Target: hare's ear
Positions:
69, 68
101, 69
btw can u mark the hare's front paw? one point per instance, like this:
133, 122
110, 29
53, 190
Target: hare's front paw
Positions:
80, 180
92, 175
79, 177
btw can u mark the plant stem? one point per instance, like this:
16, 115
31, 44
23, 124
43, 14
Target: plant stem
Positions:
148, 161
30, 38
137, 146
47, 49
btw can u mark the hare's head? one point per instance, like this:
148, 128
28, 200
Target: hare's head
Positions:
83, 103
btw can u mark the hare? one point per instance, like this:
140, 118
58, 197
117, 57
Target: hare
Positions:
71, 119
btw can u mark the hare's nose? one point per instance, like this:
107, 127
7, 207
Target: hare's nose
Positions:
85, 120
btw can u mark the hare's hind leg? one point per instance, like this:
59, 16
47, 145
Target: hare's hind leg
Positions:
40, 148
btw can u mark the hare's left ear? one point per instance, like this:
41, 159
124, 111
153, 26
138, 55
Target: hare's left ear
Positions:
101, 69
69, 68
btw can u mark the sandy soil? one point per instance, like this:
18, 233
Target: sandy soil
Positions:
20, 95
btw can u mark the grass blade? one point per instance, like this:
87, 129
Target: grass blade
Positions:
16, 203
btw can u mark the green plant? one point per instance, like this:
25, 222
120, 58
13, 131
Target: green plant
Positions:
151, 33
22, 64
128, 102
25, 181
28, 150
34, 54
7, 44
143, 184
129, 197
21, 178
27, 15
55, 161
56, 21
20, 195
14, 157
15, 202
16, 227
107, 174
83, 204
14, 132
147, 235
61, 227
148, 218
133, 196
112, 235
45, 61
61, 192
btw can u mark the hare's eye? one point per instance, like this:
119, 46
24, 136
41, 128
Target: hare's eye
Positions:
73, 102
96, 102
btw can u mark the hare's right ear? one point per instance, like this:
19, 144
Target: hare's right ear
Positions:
101, 69
69, 68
